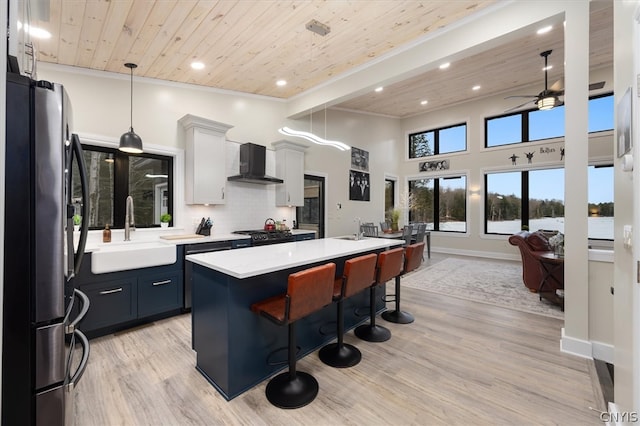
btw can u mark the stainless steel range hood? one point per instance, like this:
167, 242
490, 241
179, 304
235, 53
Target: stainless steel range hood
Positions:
252, 166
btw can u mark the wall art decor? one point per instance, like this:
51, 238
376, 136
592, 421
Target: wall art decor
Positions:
429, 166
359, 187
359, 159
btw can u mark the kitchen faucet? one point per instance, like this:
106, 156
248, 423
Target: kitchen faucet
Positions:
128, 218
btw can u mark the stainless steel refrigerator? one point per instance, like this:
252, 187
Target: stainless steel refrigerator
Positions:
44, 354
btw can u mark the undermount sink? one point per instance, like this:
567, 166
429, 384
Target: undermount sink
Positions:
126, 255
350, 238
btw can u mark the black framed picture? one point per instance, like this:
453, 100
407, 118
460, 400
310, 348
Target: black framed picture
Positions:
624, 124
429, 166
359, 186
359, 159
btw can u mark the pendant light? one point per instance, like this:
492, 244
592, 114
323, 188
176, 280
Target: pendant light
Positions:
130, 142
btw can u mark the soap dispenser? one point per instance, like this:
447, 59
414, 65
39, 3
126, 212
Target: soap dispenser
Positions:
106, 234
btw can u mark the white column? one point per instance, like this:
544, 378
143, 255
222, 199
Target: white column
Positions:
576, 278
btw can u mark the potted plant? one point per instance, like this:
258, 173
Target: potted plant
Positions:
165, 218
77, 220
395, 218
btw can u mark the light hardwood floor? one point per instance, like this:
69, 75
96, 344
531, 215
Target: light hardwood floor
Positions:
460, 362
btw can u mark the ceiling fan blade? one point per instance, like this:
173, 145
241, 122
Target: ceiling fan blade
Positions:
557, 86
519, 106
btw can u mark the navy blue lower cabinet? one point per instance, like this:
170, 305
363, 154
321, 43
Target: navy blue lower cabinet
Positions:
304, 237
112, 302
159, 293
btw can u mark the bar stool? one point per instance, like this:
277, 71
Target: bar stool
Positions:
307, 291
359, 273
389, 266
412, 260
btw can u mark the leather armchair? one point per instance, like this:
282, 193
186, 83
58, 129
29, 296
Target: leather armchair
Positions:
531, 245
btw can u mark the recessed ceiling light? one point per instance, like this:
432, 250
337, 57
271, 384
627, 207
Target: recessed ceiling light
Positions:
476, 87
197, 65
281, 83
424, 102
379, 89
445, 66
544, 30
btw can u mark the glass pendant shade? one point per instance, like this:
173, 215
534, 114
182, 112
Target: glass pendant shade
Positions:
130, 142
548, 102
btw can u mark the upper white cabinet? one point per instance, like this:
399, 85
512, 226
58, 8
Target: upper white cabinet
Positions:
290, 168
205, 173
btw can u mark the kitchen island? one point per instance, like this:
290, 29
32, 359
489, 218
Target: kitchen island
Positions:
237, 349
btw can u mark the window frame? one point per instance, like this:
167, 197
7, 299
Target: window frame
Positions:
121, 181
524, 131
436, 200
436, 140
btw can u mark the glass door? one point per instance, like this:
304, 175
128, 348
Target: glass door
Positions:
311, 215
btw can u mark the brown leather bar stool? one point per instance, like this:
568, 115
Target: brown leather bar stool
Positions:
359, 273
389, 266
412, 260
307, 291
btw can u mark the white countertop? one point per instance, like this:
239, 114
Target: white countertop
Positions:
252, 261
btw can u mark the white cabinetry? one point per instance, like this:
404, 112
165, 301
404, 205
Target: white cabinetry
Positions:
205, 172
290, 168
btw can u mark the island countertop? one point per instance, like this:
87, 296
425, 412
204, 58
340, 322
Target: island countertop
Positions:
253, 261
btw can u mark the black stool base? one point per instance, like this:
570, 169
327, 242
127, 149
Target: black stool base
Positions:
286, 393
340, 356
375, 333
399, 317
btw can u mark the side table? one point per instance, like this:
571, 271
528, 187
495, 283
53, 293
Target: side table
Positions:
549, 264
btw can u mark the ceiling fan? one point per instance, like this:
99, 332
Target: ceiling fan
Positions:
549, 97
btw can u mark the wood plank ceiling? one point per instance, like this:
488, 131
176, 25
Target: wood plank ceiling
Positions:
248, 45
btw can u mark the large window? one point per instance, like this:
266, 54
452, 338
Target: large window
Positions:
439, 202
113, 175
534, 200
438, 141
533, 125
389, 196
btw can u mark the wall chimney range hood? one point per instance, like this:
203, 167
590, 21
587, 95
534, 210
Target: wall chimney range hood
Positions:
252, 166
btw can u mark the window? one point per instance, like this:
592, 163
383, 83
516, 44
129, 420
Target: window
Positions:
113, 175
534, 200
439, 141
600, 197
446, 196
533, 125
389, 195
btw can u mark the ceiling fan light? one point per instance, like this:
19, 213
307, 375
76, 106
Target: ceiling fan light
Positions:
547, 102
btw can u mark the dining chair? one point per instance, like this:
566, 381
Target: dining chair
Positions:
407, 232
369, 230
420, 233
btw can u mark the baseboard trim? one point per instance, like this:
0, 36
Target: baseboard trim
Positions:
602, 351
587, 349
577, 347
474, 253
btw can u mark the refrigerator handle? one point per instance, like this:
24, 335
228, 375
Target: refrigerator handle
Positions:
84, 230
84, 308
73, 381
